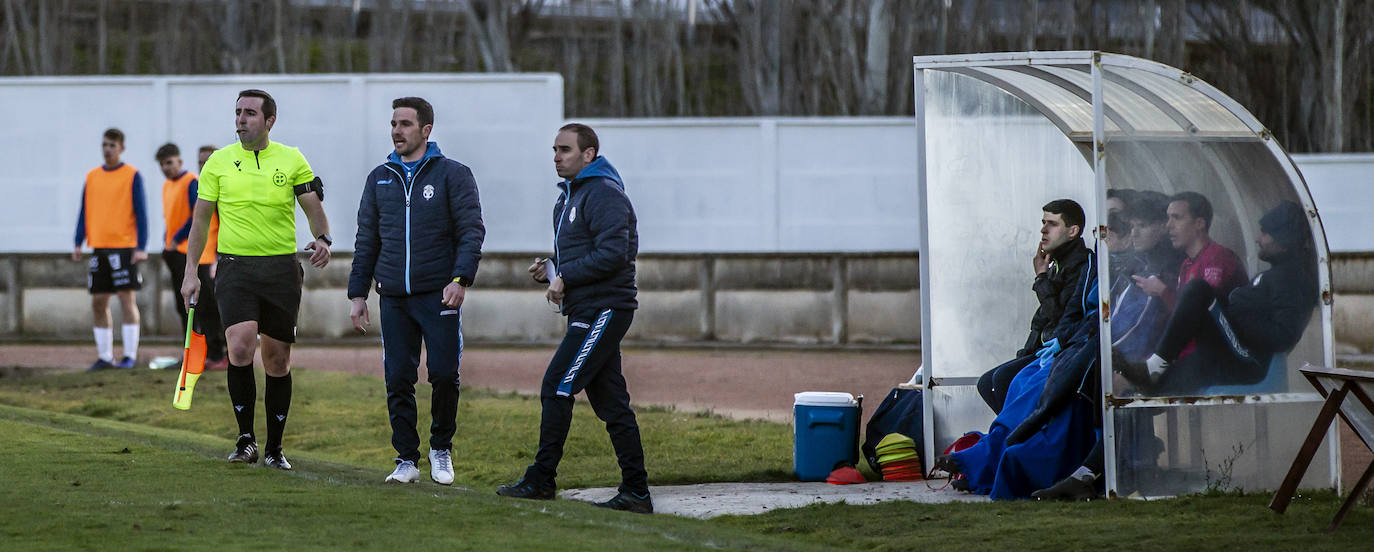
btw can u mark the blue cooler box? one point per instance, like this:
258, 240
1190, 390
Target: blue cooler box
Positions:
826, 433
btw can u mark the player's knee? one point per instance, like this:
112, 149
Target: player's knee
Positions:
613, 412
550, 392
400, 382
985, 383
442, 377
240, 352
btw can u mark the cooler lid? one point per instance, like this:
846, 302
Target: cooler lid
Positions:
824, 398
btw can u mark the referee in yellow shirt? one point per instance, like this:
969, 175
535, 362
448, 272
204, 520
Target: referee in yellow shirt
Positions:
254, 186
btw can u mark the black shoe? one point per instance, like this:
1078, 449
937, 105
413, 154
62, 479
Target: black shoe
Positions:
945, 464
101, 364
275, 459
1068, 488
960, 485
626, 501
1134, 372
526, 489
246, 451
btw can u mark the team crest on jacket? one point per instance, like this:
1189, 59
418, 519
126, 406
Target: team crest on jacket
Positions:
429, 191
572, 215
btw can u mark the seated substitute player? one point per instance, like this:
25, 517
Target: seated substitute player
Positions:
1236, 334
254, 185
1060, 261
1148, 216
1190, 221
114, 221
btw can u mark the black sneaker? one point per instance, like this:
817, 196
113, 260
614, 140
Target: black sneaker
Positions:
245, 451
526, 489
627, 501
960, 485
101, 364
1135, 372
945, 464
1068, 488
275, 459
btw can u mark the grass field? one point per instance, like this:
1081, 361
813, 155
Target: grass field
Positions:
103, 461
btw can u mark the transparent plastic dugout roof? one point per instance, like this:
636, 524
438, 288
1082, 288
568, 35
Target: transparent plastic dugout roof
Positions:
1000, 135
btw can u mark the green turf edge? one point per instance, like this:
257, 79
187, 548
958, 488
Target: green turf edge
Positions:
595, 529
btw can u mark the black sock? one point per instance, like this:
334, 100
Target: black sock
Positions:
243, 394
277, 400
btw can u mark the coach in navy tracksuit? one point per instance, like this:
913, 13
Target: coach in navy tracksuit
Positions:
419, 237
595, 244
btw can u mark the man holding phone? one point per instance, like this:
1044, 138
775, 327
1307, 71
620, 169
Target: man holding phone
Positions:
1060, 263
593, 280
420, 237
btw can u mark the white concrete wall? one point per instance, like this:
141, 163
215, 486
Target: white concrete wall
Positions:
768, 185
500, 125
1343, 188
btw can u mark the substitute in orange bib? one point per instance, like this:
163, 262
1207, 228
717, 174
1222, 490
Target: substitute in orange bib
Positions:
178, 199
114, 222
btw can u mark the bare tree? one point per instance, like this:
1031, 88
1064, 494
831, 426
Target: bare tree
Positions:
486, 22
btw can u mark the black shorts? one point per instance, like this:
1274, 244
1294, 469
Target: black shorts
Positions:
266, 290
113, 270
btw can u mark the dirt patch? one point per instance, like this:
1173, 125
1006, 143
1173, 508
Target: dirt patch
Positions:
740, 383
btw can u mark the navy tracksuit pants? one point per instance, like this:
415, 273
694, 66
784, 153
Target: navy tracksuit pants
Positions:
406, 321
589, 359
1219, 357
993, 384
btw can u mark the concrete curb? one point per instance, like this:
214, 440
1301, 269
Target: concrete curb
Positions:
709, 500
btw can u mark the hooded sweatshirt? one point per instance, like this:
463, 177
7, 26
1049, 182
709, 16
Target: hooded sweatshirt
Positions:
595, 241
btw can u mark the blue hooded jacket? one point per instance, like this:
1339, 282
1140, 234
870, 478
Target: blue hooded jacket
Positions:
595, 241
417, 232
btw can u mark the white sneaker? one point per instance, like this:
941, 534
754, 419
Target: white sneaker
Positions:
406, 472
441, 467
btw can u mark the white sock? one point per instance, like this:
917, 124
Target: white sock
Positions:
130, 334
1083, 474
104, 344
1157, 365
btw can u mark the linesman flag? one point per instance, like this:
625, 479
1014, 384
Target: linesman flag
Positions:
192, 363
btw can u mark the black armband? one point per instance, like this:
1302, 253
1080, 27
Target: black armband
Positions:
315, 185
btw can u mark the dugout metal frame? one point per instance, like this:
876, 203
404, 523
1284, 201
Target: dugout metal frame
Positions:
1139, 124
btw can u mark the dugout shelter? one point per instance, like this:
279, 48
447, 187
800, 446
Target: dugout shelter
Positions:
999, 135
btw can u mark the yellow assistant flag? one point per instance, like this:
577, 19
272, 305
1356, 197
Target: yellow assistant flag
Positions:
192, 363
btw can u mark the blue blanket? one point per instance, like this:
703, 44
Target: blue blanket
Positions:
1048, 455
1049, 417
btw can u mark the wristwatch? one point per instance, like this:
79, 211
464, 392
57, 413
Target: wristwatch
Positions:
462, 281
327, 240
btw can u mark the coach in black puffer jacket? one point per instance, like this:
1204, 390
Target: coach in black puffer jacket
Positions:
595, 255
428, 232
